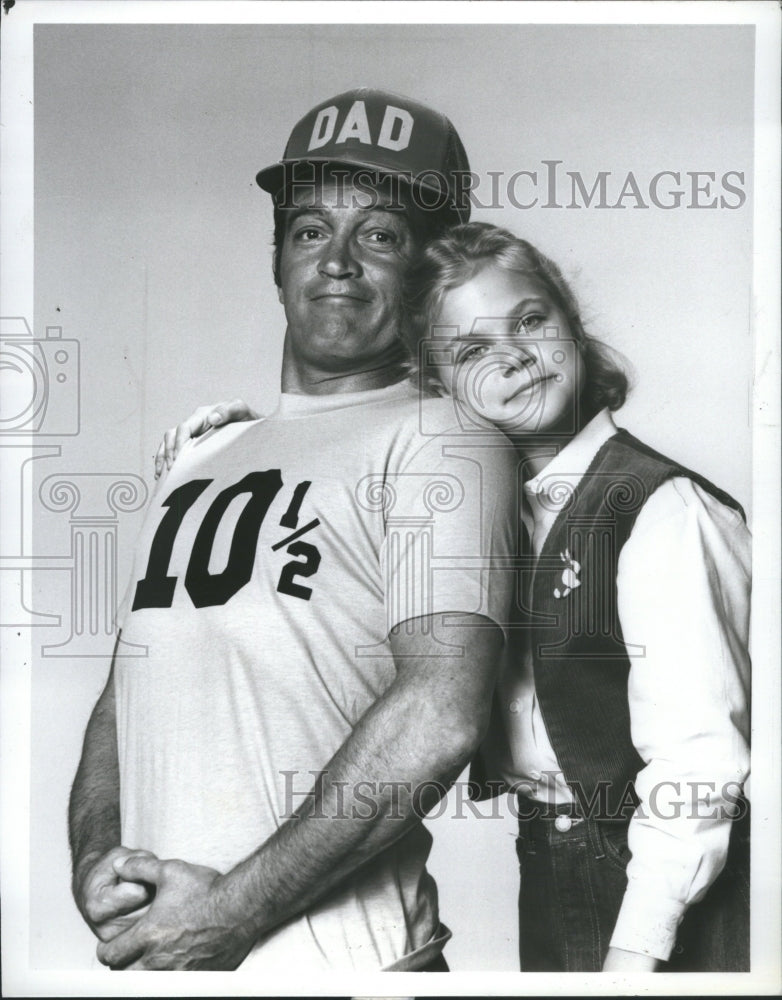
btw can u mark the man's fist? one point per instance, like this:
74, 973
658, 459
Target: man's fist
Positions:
110, 904
188, 925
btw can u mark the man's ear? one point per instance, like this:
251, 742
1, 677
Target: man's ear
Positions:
280, 295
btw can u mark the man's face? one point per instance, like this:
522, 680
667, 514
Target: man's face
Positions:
341, 273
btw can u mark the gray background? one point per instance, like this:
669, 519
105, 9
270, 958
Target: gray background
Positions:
152, 248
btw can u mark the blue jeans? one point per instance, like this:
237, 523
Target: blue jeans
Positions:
572, 884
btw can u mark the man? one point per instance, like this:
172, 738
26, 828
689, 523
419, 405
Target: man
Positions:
316, 596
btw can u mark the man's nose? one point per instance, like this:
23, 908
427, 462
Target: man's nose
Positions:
339, 259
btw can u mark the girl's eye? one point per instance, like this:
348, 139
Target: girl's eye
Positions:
530, 322
476, 351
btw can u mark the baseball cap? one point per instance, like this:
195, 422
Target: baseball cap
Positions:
381, 132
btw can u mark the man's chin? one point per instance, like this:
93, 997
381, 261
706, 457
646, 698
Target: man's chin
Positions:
338, 339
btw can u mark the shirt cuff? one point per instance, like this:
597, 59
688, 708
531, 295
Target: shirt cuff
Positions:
647, 924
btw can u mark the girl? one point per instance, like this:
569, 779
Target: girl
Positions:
621, 713
621, 717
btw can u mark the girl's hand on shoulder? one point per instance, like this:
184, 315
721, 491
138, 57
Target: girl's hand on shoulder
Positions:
199, 422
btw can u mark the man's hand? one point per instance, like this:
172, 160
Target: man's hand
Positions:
619, 960
184, 928
108, 903
199, 422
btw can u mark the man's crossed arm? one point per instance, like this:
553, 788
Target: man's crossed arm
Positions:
423, 729
108, 903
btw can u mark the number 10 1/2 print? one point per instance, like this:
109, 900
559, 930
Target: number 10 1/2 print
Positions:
156, 588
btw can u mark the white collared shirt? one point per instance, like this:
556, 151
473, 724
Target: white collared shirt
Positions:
688, 695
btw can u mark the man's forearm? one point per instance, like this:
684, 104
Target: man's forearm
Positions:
93, 811
422, 732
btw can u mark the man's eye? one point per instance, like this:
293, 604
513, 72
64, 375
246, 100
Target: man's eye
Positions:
307, 234
381, 237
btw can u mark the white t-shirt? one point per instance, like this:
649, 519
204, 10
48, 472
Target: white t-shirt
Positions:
265, 649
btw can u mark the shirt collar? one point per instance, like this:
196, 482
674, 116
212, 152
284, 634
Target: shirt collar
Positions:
575, 458
292, 404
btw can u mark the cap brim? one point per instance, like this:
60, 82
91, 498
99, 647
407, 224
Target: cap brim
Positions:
273, 178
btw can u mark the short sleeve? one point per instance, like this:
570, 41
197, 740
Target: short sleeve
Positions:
451, 529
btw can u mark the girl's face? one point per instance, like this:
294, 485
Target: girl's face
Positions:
507, 353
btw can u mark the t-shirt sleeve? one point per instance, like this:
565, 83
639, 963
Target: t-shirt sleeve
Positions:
451, 529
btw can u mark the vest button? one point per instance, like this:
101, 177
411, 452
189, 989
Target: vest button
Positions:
515, 706
563, 823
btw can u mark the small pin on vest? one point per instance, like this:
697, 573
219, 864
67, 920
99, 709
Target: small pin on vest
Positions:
570, 573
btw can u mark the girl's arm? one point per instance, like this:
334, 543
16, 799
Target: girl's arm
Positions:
684, 589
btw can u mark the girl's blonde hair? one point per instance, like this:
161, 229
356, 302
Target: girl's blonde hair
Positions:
457, 256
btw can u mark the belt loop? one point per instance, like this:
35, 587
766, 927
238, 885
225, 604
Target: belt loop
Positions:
595, 838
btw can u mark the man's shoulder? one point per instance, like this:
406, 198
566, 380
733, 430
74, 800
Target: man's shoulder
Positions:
207, 450
431, 415
431, 436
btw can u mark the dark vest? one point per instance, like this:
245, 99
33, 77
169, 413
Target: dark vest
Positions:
581, 662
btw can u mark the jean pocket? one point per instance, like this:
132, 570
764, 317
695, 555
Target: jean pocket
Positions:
613, 837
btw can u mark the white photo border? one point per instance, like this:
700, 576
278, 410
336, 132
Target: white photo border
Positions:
16, 292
